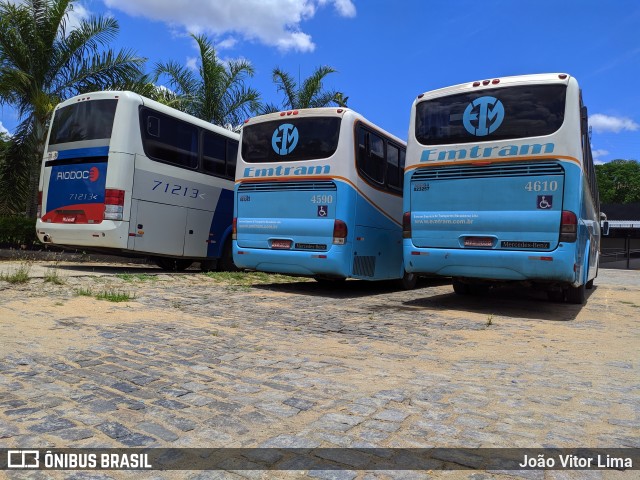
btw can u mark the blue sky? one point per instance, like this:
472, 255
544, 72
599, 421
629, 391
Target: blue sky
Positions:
388, 51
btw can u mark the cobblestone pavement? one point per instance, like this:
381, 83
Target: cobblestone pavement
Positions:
212, 361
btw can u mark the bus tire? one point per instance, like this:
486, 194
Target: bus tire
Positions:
208, 265
173, 264
577, 295
225, 262
555, 295
408, 281
461, 288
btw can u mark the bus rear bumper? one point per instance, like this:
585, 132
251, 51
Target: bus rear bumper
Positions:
107, 234
556, 266
331, 263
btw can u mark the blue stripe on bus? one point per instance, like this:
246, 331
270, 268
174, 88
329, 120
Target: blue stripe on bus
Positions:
220, 223
84, 152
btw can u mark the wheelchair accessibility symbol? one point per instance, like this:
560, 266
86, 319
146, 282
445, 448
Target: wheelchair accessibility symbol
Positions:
323, 210
545, 202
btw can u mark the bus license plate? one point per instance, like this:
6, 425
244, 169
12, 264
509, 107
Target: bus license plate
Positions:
478, 242
281, 244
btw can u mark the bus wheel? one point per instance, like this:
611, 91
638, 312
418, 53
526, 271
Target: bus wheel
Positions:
408, 281
208, 265
461, 288
173, 264
589, 284
577, 295
225, 262
555, 295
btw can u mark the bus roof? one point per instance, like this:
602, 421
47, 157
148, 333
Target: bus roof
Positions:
497, 82
160, 107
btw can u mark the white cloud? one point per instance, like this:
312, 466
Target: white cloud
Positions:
3, 129
605, 123
76, 15
272, 22
346, 8
226, 43
192, 63
597, 154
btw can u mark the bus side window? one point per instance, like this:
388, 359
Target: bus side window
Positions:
232, 155
394, 172
153, 126
213, 154
176, 143
371, 157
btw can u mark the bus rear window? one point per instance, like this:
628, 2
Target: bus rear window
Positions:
489, 115
290, 139
89, 120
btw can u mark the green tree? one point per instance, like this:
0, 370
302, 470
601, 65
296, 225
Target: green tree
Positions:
43, 61
619, 181
310, 94
216, 92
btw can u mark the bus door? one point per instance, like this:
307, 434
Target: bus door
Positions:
158, 220
157, 228
499, 207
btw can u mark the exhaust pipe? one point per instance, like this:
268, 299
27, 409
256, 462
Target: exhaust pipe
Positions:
46, 239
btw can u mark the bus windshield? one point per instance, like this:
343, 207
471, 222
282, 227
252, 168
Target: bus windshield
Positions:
89, 120
290, 139
489, 115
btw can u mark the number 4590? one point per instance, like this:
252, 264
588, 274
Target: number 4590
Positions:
542, 186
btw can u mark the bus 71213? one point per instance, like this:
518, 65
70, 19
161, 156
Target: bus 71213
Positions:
123, 174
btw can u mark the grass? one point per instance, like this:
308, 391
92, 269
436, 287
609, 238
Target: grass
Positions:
52, 276
83, 292
247, 279
489, 320
140, 277
115, 296
109, 295
21, 275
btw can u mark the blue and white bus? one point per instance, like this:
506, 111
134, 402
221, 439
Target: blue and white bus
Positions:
319, 194
123, 174
500, 186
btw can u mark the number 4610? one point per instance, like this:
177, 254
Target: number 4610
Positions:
542, 186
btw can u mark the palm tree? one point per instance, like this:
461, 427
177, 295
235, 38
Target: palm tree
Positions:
308, 95
44, 61
216, 92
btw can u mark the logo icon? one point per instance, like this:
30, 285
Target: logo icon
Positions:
545, 201
284, 139
23, 458
483, 116
94, 174
323, 210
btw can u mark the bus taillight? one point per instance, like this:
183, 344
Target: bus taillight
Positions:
39, 211
406, 225
568, 227
339, 232
234, 229
113, 204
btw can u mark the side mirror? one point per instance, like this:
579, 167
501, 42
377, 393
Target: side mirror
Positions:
605, 228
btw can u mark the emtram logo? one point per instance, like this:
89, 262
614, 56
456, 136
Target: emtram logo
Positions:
483, 116
284, 139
